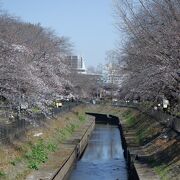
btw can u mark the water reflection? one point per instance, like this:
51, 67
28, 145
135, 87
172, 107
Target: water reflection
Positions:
103, 158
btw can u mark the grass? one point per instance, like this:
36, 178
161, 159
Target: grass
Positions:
141, 135
145, 129
126, 113
162, 171
2, 174
82, 118
15, 161
39, 153
129, 117
130, 120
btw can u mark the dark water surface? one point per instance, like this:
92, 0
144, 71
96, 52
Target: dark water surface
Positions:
103, 158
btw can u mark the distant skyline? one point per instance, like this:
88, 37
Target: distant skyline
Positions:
89, 24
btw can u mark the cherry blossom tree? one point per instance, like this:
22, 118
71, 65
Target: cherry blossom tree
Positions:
151, 51
32, 61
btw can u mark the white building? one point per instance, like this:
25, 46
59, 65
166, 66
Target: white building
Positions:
76, 63
111, 75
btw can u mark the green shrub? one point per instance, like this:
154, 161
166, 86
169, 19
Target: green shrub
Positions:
82, 118
141, 136
130, 120
70, 128
162, 171
39, 154
33, 165
63, 134
51, 147
2, 173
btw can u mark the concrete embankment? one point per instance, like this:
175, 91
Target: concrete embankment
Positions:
152, 149
60, 162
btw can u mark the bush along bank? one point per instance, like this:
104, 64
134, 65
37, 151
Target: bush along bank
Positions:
153, 148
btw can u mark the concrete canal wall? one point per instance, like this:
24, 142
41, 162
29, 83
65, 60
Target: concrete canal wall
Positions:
81, 144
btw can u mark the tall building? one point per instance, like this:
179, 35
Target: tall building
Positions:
111, 74
76, 63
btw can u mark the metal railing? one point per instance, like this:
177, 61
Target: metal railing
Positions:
10, 129
166, 119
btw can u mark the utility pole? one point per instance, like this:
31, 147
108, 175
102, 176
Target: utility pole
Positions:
112, 83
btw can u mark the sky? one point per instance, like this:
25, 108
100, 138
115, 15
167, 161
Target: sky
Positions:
88, 23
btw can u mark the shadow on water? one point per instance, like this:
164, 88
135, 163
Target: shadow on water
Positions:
103, 158
105, 119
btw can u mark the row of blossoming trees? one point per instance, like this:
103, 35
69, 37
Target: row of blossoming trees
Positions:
151, 52
32, 62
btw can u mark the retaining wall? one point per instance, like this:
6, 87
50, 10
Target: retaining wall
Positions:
81, 144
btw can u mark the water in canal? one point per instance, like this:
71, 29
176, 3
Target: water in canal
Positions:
103, 158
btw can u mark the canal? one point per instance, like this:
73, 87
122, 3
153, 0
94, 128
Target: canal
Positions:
103, 158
